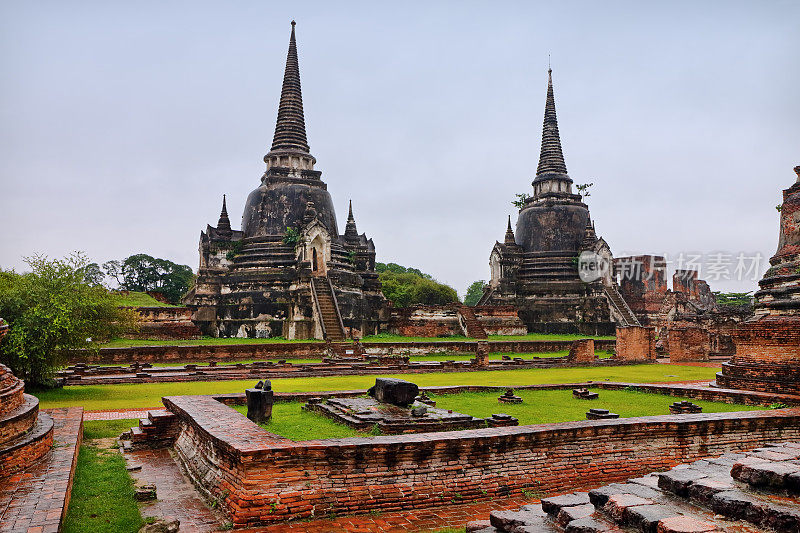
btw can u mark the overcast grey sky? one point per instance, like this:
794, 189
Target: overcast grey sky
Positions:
123, 123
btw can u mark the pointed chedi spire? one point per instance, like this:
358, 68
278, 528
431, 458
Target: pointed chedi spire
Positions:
510, 239
551, 158
290, 145
290, 129
224, 223
350, 230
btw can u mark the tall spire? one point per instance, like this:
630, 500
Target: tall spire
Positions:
224, 223
551, 159
350, 230
290, 129
510, 239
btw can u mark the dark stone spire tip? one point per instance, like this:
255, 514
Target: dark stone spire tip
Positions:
290, 128
224, 223
510, 239
551, 157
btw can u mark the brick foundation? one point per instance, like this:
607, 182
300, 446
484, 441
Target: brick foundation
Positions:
233, 352
262, 478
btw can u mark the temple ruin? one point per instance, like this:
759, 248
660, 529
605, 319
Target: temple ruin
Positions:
535, 268
768, 344
288, 272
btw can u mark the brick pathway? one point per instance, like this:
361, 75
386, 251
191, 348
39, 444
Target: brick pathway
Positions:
177, 497
34, 501
117, 414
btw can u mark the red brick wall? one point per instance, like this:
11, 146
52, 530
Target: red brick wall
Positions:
582, 351
688, 344
635, 343
232, 352
261, 478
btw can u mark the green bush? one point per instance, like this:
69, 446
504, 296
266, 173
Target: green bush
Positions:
52, 309
409, 286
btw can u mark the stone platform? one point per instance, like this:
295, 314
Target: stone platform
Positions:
755, 491
364, 413
36, 499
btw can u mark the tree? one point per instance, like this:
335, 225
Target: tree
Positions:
51, 309
93, 274
405, 286
734, 298
142, 272
474, 292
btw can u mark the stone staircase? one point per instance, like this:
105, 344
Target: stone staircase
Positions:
158, 430
265, 252
26, 435
470, 323
621, 306
548, 266
757, 491
325, 299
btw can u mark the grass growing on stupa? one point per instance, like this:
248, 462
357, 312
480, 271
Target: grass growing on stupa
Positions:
148, 395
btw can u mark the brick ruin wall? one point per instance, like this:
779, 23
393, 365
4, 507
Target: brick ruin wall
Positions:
442, 320
688, 344
635, 343
164, 323
690, 304
260, 478
232, 352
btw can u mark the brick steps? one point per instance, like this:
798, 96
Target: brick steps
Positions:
619, 303
158, 430
328, 309
473, 327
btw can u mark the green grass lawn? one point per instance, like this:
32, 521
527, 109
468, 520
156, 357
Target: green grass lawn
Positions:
141, 395
102, 494
141, 299
538, 407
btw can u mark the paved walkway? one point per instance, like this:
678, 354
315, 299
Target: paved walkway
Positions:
177, 497
34, 501
117, 414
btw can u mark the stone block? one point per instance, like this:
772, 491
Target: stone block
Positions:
678, 481
685, 524
515, 520
554, 504
617, 504
645, 518
394, 391
574, 512
589, 525
259, 402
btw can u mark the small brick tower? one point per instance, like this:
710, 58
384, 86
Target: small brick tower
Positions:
768, 344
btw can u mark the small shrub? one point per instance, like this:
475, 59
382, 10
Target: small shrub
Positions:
778, 405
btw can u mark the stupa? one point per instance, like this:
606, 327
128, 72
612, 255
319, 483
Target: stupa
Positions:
288, 272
